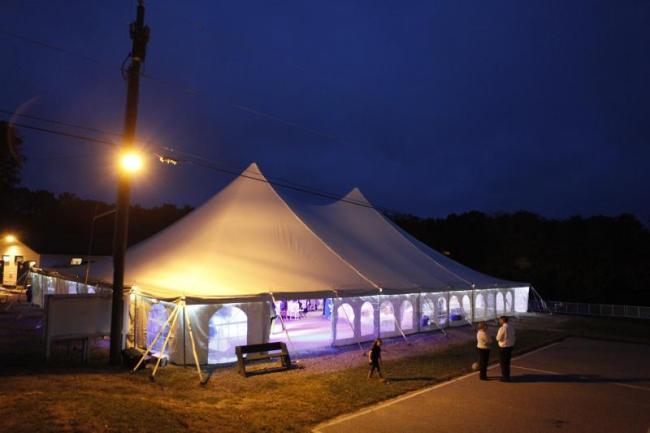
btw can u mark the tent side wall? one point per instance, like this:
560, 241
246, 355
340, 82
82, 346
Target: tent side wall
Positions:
142, 330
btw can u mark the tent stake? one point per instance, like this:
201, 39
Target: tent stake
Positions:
146, 352
189, 328
164, 346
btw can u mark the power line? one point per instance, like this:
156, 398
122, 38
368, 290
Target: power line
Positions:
52, 47
64, 134
206, 163
172, 83
93, 60
59, 122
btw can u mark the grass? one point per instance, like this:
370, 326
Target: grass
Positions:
98, 399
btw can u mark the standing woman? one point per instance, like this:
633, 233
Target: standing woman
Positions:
483, 341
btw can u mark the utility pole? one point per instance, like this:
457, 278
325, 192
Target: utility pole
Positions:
140, 35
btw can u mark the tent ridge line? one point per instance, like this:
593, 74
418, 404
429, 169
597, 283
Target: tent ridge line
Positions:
330, 249
444, 268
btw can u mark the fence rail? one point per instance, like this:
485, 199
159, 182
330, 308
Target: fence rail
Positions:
584, 309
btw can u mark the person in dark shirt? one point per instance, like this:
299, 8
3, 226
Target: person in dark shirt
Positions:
374, 358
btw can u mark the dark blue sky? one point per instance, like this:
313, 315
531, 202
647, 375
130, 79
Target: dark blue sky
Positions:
434, 106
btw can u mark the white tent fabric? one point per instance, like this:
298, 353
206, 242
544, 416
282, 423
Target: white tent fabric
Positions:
248, 241
362, 236
243, 243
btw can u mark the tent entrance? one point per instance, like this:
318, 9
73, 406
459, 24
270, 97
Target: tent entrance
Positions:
308, 322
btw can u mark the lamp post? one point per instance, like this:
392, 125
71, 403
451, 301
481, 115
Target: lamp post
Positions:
130, 162
92, 236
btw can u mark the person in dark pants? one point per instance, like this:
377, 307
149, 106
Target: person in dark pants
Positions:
483, 341
506, 340
374, 358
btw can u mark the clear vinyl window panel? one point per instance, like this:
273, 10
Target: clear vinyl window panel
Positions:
228, 328
155, 323
367, 319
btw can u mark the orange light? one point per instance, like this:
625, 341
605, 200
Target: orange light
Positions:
131, 162
10, 238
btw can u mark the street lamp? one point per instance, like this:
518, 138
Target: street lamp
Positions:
90, 242
10, 238
131, 162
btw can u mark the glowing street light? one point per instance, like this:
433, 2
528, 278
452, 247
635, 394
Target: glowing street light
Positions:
131, 162
10, 238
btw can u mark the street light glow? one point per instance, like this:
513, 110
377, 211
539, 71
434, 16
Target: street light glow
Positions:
10, 238
131, 162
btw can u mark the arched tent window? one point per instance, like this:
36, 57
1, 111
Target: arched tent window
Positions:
467, 306
426, 307
491, 310
155, 321
406, 315
479, 306
367, 319
228, 328
345, 322
442, 310
386, 317
455, 312
499, 304
509, 306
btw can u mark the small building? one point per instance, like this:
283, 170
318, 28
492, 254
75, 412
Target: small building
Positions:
16, 259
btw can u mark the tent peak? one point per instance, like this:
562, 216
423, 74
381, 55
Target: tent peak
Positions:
356, 195
253, 170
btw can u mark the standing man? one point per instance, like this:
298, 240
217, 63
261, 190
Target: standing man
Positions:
483, 341
506, 340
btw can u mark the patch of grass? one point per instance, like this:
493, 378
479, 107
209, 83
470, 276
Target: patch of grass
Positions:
102, 400
95, 398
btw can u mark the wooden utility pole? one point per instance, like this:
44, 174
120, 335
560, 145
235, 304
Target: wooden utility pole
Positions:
140, 35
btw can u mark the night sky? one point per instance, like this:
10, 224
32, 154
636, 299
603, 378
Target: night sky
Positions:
430, 107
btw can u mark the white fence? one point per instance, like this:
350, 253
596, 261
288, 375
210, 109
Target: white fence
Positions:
604, 310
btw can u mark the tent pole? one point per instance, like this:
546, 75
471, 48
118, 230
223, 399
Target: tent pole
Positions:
473, 302
169, 334
184, 345
448, 309
347, 316
378, 317
153, 342
189, 328
400, 329
284, 328
471, 319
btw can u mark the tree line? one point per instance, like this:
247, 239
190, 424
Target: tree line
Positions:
584, 259
596, 259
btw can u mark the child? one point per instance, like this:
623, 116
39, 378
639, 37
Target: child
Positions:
374, 358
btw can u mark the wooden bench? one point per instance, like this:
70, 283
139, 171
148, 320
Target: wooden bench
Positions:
258, 352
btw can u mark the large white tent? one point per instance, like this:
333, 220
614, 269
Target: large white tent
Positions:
248, 246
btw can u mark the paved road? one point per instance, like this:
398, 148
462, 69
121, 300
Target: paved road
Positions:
577, 385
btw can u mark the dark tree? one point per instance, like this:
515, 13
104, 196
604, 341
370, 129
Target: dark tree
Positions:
11, 158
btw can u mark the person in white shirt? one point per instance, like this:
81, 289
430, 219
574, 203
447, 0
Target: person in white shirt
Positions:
483, 342
506, 340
